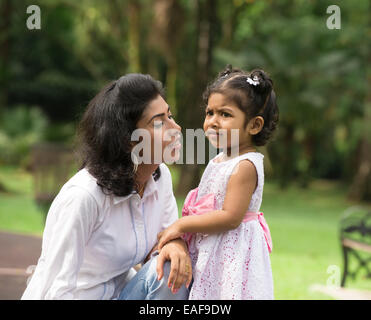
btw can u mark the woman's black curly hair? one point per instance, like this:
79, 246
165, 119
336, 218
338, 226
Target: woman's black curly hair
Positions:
104, 132
253, 100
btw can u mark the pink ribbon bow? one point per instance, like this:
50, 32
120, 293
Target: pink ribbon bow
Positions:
207, 204
192, 208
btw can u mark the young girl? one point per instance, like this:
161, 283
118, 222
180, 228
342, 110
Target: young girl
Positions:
229, 240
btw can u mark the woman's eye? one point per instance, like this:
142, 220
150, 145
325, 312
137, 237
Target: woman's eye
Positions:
171, 116
158, 124
209, 113
225, 114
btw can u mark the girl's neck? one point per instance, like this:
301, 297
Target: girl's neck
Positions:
241, 150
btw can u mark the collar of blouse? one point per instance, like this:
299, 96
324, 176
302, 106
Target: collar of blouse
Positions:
151, 188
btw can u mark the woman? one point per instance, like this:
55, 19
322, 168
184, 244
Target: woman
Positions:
106, 218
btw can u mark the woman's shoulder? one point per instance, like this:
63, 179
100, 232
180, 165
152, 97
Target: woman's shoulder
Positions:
165, 169
165, 180
84, 186
165, 174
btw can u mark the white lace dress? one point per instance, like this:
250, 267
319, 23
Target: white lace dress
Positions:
233, 264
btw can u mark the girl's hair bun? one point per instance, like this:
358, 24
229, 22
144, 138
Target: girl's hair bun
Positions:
265, 83
229, 70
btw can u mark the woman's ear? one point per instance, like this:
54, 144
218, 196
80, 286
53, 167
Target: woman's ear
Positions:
134, 143
256, 125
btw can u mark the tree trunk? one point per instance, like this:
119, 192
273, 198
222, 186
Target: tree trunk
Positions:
134, 36
5, 16
206, 14
166, 38
286, 153
171, 86
360, 188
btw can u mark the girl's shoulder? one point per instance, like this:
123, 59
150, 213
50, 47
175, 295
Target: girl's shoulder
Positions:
254, 157
224, 169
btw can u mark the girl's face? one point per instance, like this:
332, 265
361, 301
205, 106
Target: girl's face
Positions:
221, 117
164, 132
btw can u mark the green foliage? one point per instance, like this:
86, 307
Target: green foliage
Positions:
20, 128
320, 80
60, 132
320, 75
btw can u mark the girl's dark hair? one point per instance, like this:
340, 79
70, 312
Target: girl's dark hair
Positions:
253, 100
104, 133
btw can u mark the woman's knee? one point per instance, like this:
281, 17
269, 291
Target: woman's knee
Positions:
160, 287
153, 268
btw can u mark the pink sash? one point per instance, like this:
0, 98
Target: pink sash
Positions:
207, 204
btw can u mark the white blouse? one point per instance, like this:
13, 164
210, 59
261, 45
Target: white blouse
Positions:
91, 240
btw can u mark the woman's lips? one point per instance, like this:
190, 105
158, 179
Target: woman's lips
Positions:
175, 145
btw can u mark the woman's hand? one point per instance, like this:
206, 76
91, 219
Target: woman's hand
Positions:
171, 233
180, 264
155, 248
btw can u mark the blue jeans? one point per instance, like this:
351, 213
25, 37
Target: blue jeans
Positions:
145, 286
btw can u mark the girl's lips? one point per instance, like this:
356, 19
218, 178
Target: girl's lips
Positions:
213, 136
212, 133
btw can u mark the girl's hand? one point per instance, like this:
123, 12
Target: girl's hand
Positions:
170, 233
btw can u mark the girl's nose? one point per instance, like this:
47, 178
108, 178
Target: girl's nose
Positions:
213, 121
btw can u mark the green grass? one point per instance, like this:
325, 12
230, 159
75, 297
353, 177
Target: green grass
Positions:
18, 211
303, 224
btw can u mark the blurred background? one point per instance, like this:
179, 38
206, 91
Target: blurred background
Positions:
317, 167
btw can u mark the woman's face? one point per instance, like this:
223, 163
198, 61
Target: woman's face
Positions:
160, 133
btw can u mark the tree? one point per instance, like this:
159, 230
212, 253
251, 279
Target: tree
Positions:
198, 71
360, 188
166, 38
319, 74
5, 19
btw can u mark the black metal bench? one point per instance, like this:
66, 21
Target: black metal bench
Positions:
355, 237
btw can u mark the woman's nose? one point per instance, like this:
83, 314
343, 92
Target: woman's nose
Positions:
177, 126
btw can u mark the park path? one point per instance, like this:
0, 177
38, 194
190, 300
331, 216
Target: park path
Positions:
17, 253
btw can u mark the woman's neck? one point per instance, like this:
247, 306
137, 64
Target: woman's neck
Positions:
144, 172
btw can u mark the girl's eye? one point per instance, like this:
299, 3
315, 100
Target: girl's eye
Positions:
209, 113
171, 116
225, 114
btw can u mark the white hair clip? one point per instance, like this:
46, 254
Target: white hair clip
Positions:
254, 81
